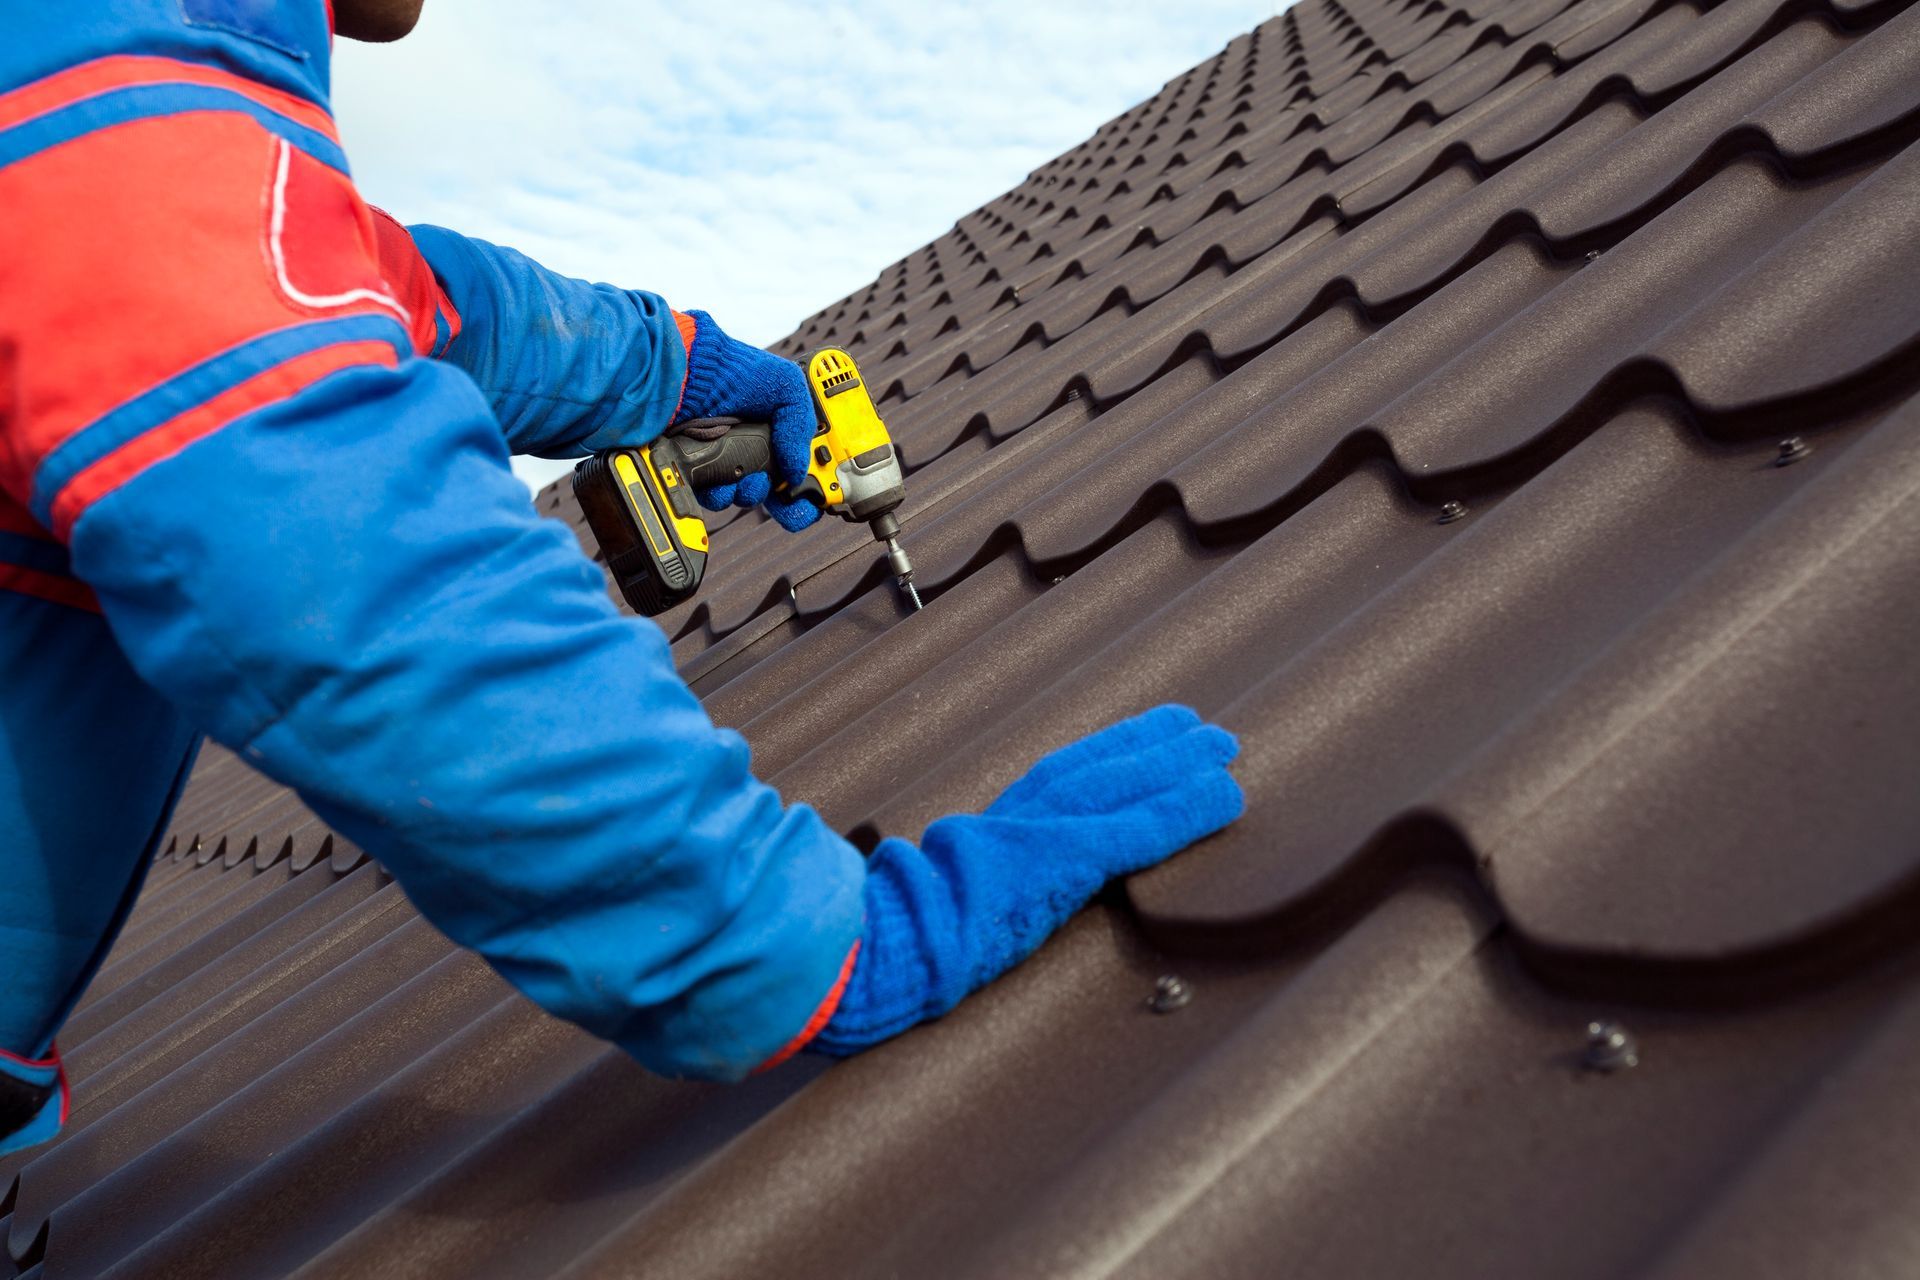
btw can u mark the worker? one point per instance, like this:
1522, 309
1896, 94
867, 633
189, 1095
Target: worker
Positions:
254, 484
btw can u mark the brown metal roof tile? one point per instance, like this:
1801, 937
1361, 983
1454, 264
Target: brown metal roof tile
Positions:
1403, 388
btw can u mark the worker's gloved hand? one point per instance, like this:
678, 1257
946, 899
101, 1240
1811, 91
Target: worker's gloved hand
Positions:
726, 378
982, 892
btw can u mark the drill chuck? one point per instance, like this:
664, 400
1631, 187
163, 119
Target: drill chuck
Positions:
902, 567
886, 529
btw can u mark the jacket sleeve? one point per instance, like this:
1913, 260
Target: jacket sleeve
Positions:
568, 367
308, 539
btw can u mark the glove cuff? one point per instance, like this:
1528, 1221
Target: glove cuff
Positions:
689, 328
710, 373
827, 1008
909, 968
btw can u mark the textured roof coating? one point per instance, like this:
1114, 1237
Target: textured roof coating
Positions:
1627, 733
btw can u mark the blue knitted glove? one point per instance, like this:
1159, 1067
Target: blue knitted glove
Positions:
726, 378
981, 893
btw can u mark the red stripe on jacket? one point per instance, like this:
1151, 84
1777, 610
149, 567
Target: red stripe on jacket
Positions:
822, 1014
59, 588
59, 1074
15, 518
48, 586
278, 383
183, 237
103, 75
413, 283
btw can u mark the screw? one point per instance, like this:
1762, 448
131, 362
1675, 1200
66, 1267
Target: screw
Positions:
1593, 255
1792, 449
1451, 511
1610, 1048
1169, 993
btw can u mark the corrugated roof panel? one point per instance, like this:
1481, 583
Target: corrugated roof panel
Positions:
1502, 416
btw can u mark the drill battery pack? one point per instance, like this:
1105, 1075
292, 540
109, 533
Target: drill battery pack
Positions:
648, 525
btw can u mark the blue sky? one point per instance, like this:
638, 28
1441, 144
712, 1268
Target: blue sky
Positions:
698, 151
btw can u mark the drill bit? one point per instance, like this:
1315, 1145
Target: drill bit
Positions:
903, 571
887, 530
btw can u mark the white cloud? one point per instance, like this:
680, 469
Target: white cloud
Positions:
758, 160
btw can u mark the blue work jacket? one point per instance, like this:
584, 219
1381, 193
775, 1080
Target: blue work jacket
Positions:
253, 483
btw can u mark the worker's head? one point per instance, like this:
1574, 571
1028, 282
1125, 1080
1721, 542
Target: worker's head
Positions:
379, 20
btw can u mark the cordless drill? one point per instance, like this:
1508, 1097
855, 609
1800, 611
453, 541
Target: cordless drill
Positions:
640, 504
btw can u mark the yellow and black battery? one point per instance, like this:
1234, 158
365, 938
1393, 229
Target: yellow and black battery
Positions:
640, 505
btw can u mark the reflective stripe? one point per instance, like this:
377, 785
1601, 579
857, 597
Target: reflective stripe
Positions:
276, 234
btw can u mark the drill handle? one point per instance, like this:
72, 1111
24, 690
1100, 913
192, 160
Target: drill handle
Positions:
712, 451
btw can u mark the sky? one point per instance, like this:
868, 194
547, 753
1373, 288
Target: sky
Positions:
755, 160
